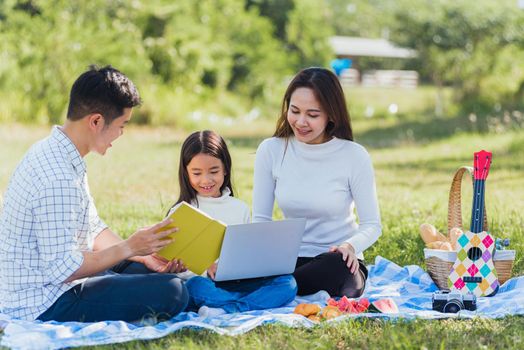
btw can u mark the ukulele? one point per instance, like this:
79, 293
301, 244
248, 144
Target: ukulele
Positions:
473, 270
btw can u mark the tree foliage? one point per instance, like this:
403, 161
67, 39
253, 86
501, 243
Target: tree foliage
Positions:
46, 44
230, 56
473, 48
200, 48
476, 47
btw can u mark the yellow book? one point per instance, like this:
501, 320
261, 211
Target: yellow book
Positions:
198, 240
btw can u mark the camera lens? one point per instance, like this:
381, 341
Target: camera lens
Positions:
453, 306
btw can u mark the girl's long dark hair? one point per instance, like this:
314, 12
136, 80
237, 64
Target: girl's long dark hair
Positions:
206, 142
328, 91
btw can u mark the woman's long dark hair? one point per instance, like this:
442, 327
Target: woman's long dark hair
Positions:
206, 142
328, 91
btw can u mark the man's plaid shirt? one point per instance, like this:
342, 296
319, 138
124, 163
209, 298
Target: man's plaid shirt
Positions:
48, 218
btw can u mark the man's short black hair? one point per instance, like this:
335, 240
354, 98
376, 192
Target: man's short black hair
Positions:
102, 90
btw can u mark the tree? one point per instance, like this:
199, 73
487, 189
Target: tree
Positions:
213, 44
461, 43
362, 18
307, 34
47, 44
302, 26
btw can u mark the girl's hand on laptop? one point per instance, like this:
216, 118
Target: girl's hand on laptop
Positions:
212, 270
348, 255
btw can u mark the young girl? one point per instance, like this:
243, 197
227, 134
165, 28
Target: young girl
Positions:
312, 168
205, 182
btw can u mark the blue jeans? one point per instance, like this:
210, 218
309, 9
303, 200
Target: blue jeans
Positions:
241, 295
129, 292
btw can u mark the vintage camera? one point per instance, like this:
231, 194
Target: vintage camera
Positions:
453, 302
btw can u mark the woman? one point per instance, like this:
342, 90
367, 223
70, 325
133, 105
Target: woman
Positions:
313, 169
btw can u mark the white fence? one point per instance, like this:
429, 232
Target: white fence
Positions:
380, 78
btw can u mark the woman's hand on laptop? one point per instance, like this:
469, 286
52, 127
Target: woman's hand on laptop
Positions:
212, 270
348, 255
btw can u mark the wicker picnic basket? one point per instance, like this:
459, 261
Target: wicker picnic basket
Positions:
440, 262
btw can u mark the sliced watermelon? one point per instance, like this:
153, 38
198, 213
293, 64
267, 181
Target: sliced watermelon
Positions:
353, 307
344, 304
362, 305
332, 302
347, 305
386, 306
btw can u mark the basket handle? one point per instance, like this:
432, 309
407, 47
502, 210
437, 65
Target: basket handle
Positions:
454, 206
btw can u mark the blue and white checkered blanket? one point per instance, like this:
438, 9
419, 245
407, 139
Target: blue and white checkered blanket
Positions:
409, 286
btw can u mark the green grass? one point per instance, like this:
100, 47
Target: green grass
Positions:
135, 183
355, 334
375, 101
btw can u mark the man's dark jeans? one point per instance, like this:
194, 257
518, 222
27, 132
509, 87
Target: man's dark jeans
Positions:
129, 292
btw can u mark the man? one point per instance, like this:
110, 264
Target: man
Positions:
58, 260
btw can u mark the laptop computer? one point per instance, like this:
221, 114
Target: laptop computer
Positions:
260, 249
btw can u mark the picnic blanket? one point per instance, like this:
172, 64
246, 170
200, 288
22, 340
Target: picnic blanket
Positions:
410, 287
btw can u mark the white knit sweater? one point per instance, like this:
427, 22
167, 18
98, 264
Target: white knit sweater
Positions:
322, 183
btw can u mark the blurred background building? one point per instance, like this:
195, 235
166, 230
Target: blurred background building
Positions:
349, 50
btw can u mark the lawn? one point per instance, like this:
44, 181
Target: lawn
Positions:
136, 182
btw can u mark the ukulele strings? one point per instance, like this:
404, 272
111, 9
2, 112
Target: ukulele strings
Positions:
478, 206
